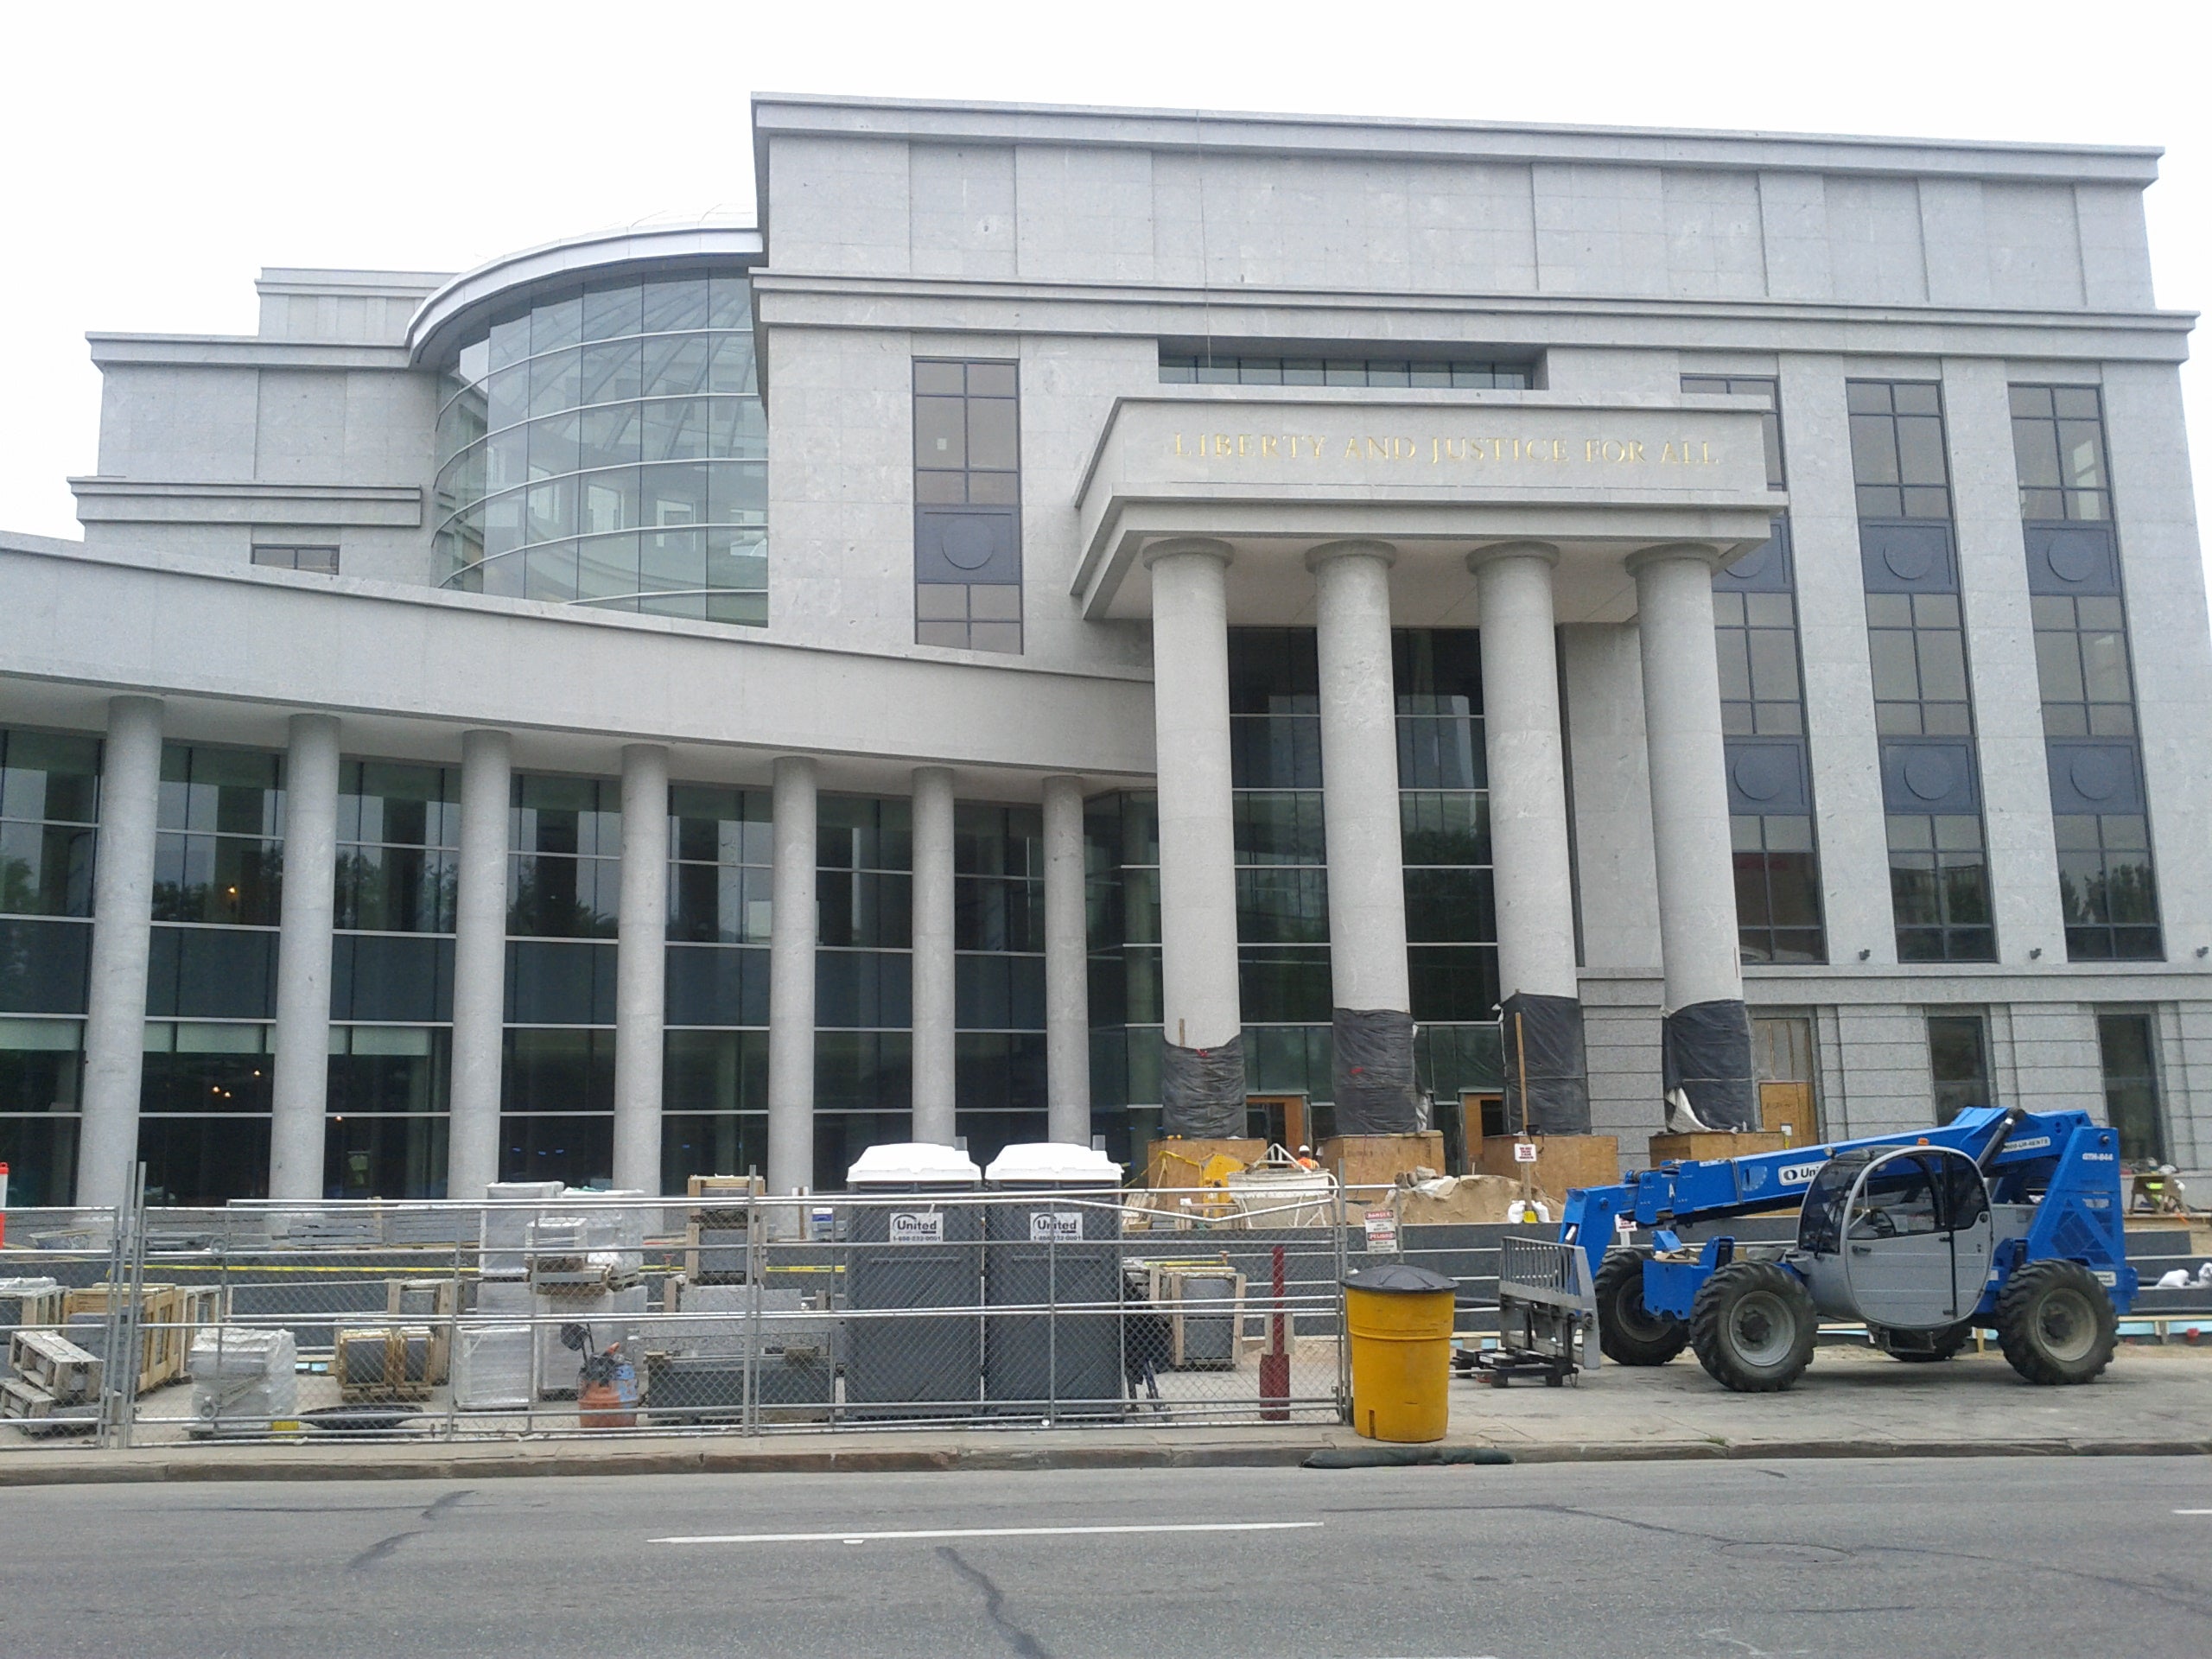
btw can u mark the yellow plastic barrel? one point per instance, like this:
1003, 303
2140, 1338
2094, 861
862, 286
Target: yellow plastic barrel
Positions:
1398, 1320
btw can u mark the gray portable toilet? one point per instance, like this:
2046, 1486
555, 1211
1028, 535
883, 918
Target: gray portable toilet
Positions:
920, 1255
1054, 1239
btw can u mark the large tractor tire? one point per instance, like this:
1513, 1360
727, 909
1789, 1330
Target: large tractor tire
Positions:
1940, 1344
1753, 1326
2056, 1324
1628, 1333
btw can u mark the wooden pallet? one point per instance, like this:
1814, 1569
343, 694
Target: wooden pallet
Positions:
725, 1216
48, 1361
425, 1301
382, 1362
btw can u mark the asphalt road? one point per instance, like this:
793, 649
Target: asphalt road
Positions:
1918, 1558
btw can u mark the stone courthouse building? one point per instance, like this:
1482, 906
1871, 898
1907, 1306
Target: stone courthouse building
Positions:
1087, 618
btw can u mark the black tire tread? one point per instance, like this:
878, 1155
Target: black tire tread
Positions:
2015, 1328
1708, 1313
1622, 1346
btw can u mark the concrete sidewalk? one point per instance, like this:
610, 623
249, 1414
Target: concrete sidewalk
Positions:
1853, 1403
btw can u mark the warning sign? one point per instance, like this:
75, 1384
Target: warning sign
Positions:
1056, 1227
1524, 1152
1381, 1230
909, 1227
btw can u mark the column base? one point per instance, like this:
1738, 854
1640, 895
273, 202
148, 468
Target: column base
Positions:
1563, 1161
1706, 1145
1377, 1161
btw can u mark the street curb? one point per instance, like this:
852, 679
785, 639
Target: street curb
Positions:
113, 1469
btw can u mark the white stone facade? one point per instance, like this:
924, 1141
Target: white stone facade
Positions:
1080, 245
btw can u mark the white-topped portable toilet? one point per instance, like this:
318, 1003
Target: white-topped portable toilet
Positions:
913, 1255
1053, 1241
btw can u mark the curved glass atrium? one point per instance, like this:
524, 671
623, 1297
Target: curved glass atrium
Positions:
605, 444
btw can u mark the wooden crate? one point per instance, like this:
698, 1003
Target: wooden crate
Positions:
47, 1360
31, 1310
164, 1332
725, 1187
425, 1301
1175, 1164
1708, 1144
1372, 1160
1563, 1161
723, 1214
382, 1362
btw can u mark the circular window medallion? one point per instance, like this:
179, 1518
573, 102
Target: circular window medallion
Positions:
968, 543
1759, 775
1908, 560
1929, 775
1754, 564
2072, 559
2096, 775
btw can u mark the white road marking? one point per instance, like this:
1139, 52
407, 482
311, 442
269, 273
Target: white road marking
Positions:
984, 1532
2193, 1511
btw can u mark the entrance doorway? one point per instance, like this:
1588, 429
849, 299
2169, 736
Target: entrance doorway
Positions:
1279, 1120
1782, 1052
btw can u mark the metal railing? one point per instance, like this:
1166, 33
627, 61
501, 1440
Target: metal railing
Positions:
721, 1312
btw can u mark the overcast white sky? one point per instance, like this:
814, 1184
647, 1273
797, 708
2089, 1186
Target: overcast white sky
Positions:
153, 157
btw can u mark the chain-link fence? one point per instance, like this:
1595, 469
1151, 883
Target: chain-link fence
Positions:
725, 1311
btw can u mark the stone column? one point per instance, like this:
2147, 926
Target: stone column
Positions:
479, 962
1532, 879
641, 968
301, 1083
1707, 1043
1372, 1016
1067, 966
935, 1090
790, 979
1202, 1070
123, 912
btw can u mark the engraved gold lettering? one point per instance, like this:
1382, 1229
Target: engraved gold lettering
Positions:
1589, 448
1707, 450
1559, 449
1243, 441
1178, 444
1402, 448
1316, 442
1221, 443
1613, 449
1635, 446
1666, 455
1352, 449
1267, 446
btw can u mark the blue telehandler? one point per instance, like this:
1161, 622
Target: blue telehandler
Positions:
2001, 1218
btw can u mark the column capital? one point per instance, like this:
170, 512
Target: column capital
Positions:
1356, 548
1175, 546
1704, 553
1496, 551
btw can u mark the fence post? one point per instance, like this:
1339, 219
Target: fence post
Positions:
755, 1263
1343, 1336
106, 1429
453, 1332
133, 1331
1052, 1316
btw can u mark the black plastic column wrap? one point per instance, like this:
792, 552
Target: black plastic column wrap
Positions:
1202, 1091
1705, 1064
1374, 1072
1547, 1033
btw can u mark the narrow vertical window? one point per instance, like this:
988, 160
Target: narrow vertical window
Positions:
1916, 634
2105, 884
1958, 1063
967, 506
1778, 915
2127, 1052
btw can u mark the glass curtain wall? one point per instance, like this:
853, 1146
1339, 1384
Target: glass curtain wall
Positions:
1282, 885
1778, 917
998, 934
863, 979
606, 445
2106, 882
564, 881
203, 1128
1915, 630
720, 899
49, 805
392, 980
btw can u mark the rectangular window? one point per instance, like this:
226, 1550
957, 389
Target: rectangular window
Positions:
1193, 367
2106, 885
398, 842
1917, 644
2129, 1056
564, 868
1778, 914
1958, 1063
316, 561
967, 504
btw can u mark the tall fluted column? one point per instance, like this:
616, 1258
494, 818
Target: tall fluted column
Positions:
1067, 966
122, 913
790, 979
1371, 992
480, 962
641, 968
1533, 882
1708, 1037
935, 1083
301, 1083
1202, 1070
